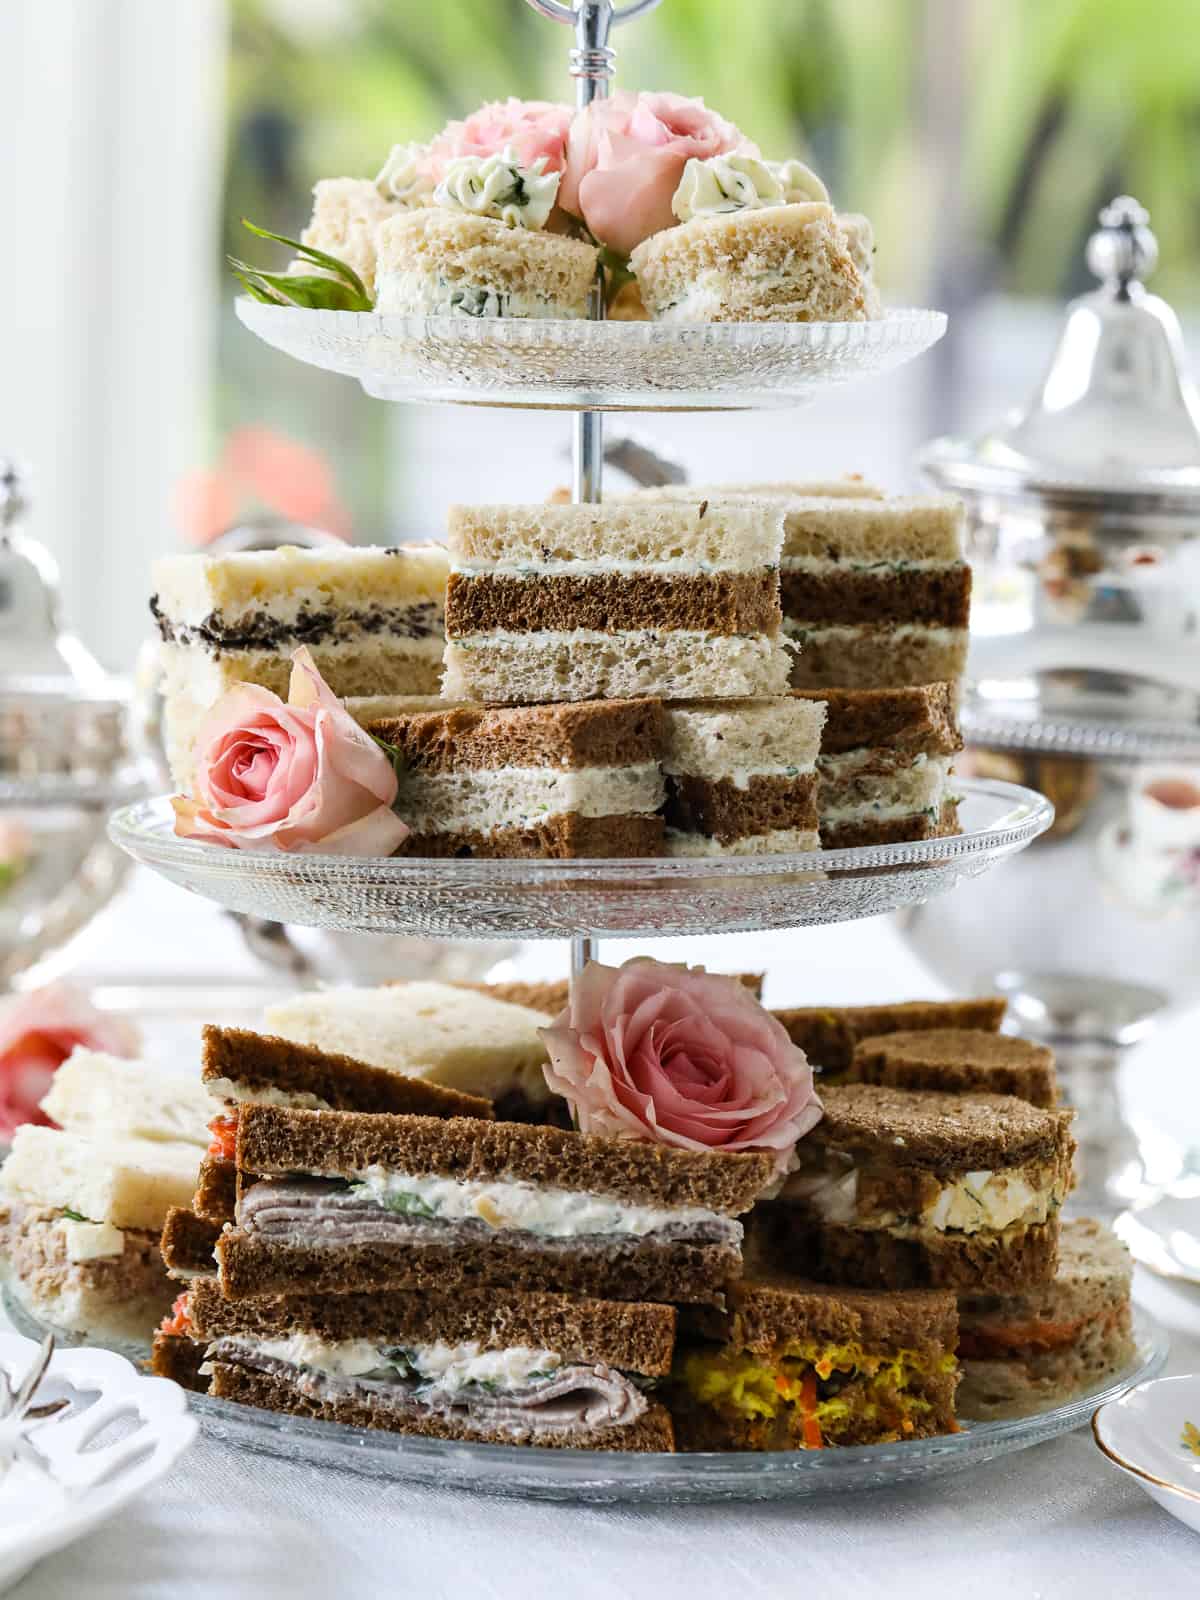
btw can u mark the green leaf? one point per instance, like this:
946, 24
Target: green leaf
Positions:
72, 1216
300, 289
318, 258
256, 290
409, 1205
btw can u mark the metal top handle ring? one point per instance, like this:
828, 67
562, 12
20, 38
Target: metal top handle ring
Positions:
571, 14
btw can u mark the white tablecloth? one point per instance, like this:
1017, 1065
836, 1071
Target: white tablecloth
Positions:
1050, 1523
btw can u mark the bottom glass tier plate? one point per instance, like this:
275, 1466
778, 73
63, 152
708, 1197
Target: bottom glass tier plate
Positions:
606, 1477
478, 899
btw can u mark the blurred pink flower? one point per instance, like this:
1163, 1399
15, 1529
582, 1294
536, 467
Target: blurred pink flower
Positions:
259, 468
532, 127
302, 776
626, 155
682, 1057
38, 1031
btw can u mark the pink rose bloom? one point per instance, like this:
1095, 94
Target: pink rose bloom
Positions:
302, 776
533, 127
626, 155
38, 1031
679, 1056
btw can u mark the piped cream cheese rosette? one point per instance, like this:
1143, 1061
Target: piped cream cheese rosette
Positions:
757, 241
499, 187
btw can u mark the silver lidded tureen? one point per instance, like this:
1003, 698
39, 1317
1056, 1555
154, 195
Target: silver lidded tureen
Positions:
1084, 511
65, 757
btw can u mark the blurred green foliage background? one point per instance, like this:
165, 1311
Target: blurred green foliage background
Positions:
981, 137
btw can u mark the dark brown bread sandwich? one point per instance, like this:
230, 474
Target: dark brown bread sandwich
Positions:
343, 1202
793, 1365
901, 1189
187, 1244
829, 1035
1024, 1352
240, 1067
490, 1365
537, 780
958, 1061
885, 763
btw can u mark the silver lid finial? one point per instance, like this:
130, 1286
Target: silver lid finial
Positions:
1123, 250
592, 61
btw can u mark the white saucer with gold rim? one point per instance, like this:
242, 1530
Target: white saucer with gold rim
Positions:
1153, 1433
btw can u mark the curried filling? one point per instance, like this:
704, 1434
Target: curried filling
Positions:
807, 1395
1019, 1341
911, 1202
380, 1206
519, 1390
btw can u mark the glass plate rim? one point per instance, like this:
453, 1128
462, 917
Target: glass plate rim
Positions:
365, 1450
141, 829
581, 330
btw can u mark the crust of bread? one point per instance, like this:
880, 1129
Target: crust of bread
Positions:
216, 1190
481, 252
958, 1061
565, 837
670, 1272
707, 602
778, 264
940, 1132
939, 597
829, 1035
188, 1242
725, 812
637, 1337
891, 830
651, 1432
739, 537
180, 1359
964, 1262
262, 1061
765, 1311
584, 733
916, 720
277, 1139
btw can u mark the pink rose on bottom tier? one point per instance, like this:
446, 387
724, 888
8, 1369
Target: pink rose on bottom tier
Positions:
679, 1056
302, 776
38, 1031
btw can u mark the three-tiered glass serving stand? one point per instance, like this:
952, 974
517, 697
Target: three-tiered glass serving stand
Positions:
588, 368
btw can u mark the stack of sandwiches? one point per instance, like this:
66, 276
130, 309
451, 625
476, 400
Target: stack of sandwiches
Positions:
366, 1240
82, 1205
613, 680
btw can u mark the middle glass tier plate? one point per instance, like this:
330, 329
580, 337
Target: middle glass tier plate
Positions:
536, 899
592, 366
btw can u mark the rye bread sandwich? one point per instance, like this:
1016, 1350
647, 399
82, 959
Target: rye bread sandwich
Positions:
343, 1203
829, 1035
902, 1189
1023, 1352
958, 1061
493, 1366
239, 1067
793, 1365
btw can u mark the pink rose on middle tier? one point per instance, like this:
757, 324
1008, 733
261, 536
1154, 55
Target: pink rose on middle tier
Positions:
533, 128
626, 155
679, 1056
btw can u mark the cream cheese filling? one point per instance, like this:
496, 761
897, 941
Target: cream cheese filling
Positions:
667, 566
447, 1367
265, 1095
850, 632
921, 786
822, 566
486, 798
739, 776
415, 292
550, 1213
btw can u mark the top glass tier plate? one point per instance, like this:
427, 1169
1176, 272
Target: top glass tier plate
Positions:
593, 366
480, 899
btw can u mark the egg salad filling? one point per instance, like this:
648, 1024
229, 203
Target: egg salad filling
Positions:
911, 1203
808, 1395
